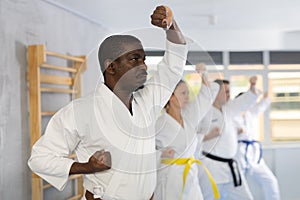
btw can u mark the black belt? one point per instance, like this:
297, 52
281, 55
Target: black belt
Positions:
90, 196
231, 163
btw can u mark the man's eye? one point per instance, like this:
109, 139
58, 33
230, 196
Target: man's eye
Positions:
134, 58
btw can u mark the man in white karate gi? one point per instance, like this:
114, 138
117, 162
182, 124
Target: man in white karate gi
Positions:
220, 143
249, 153
112, 130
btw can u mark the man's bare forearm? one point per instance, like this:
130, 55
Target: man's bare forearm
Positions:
99, 161
175, 35
80, 168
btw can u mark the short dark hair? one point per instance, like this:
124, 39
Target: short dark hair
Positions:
113, 47
239, 94
222, 81
226, 81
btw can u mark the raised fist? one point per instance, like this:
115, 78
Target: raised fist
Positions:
200, 68
162, 17
253, 80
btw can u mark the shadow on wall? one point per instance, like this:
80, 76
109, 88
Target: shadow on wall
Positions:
4, 115
21, 58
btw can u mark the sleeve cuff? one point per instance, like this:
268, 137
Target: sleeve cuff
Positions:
175, 56
59, 182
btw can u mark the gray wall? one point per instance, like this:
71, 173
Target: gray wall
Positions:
284, 162
25, 22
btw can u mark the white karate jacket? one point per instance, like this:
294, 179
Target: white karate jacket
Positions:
102, 121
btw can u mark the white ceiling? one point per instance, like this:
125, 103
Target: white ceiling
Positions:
193, 16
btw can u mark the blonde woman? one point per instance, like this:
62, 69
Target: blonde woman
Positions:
177, 140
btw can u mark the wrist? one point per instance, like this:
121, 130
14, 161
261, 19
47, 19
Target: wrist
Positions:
174, 34
81, 168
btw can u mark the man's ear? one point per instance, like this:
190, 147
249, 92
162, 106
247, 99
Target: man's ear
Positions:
109, 66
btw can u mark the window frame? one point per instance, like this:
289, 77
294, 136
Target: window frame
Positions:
265, 61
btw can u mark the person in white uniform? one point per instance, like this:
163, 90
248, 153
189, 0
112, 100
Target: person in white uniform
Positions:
112, 131
220, 143
177, 140
249, 153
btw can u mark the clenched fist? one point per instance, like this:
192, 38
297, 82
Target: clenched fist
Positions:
168, 153
200, 68
162, 17
253, 80
215, 132
99, 161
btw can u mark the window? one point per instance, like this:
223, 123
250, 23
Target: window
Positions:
284, 67
285, 109
245, 60
281, 122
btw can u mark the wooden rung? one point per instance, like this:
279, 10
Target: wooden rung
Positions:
54, 79
48, 113
47, 186
33, 175
75, 176
59, 90
50, 53
72, 177
61, 68
78, 196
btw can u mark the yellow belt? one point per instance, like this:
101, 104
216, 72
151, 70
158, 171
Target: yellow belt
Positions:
188, 164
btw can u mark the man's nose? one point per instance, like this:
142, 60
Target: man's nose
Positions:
143, 65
